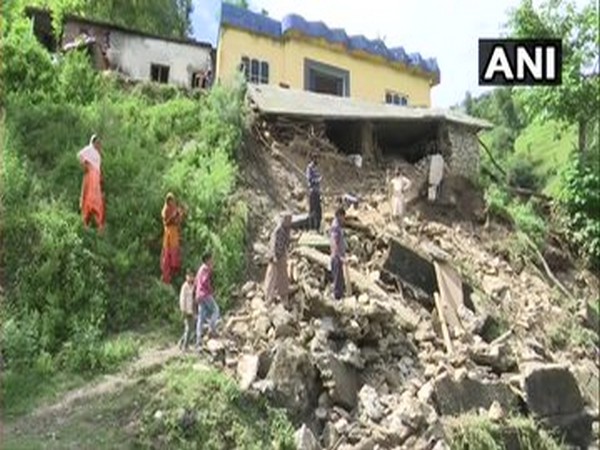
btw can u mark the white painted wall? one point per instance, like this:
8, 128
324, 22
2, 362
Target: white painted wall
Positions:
134, 55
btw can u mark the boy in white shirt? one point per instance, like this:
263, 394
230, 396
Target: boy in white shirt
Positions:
187, 307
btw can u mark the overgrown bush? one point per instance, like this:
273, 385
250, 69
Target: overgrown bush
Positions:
580, 203
78, 285
521, 173
528, 221
192, 408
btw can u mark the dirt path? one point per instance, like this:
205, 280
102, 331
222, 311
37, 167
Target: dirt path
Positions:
60, 409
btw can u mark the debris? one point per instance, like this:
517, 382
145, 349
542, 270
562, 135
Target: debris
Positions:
305, 439
369, 405
247, 369
552, 394
454, 397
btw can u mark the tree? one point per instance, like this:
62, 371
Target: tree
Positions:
577, 100
240, 3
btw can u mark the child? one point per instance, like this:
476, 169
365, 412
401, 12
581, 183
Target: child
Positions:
186, 305
207, 307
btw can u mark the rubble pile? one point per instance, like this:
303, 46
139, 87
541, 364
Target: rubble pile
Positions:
391, 364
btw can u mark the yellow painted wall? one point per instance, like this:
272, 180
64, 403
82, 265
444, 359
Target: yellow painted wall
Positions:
370, 77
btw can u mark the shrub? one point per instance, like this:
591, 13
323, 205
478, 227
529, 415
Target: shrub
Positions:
579, 200
80, 285
204, 408
528, 221
521, 173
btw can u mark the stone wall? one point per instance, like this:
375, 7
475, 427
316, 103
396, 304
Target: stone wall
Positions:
463, 154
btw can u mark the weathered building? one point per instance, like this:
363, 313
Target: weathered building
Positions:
138, 55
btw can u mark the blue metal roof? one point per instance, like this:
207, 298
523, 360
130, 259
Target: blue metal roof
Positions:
242, 18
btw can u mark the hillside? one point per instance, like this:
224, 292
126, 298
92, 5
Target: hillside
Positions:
375, 370
548, 149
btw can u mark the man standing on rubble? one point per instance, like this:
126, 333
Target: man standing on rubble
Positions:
276, 279
338, 253
314, 193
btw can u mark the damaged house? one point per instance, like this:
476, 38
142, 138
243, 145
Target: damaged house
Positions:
137, 55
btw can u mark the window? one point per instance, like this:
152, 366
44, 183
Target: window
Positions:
394, 98
326, 79
197, 78
159, 73
255, 71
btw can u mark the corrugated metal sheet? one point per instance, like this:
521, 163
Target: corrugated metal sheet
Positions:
291, 102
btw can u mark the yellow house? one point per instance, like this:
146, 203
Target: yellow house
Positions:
310, 56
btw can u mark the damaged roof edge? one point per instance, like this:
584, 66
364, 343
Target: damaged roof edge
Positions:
274, 100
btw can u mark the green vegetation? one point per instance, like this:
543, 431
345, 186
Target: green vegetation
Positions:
68, 289
478, 433
162, 17
197, 407
546, 139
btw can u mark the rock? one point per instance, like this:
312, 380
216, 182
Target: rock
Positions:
552, 394
499, 357
330, 435
496, 413
305, 439
494, 287
247, 370
369, 405
340, 378
261, 326
283, 322
247, 288
551, 390
455, 397
350, 354
588, 377
425, 392
294, 379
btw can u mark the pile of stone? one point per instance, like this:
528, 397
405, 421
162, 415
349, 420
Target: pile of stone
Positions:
375, 370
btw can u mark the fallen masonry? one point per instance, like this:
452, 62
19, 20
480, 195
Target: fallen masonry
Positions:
374, 370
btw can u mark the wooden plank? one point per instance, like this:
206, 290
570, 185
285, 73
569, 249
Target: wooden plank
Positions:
443, 323
408, 319
450, 291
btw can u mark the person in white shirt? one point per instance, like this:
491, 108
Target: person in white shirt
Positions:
186, 305
399, 185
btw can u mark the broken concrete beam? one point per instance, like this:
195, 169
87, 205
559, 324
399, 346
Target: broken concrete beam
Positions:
313, 239
411, 267
454, 397
300, 221
406, 316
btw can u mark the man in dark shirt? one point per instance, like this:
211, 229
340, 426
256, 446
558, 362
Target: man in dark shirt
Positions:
338, 253
314, 192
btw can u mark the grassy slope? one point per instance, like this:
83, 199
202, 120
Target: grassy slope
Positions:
549, 148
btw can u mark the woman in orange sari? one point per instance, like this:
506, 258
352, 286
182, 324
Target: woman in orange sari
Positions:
170, 260
91, 201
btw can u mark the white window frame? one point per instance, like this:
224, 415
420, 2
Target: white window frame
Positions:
397, 98
262, 73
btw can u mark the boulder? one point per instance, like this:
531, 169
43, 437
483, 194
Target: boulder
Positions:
552, 395
247, 370
551, 390
283, 322
369, 405
305, 439
293, 379
458, 396
341, 379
